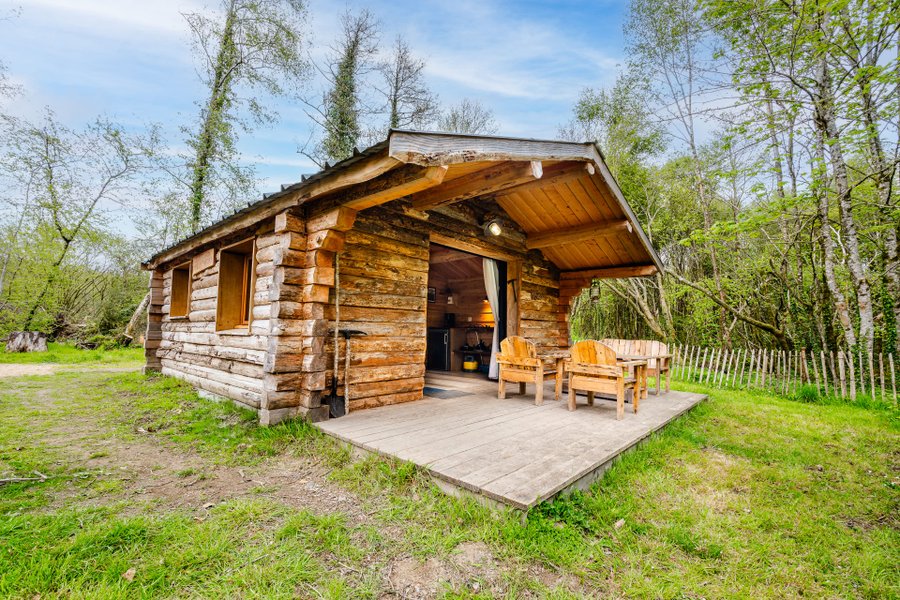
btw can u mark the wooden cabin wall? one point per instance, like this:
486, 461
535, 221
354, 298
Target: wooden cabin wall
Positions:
225, 364
540, 319
383, 292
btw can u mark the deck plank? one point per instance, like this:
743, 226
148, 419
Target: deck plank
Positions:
508, 450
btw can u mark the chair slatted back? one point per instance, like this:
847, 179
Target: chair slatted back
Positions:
517, 347
592, 352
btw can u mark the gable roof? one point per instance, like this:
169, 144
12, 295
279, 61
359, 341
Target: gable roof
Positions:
560, 193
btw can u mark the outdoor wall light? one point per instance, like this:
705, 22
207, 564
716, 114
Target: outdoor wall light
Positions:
493, 227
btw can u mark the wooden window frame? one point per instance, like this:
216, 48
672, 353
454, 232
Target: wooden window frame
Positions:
241, 323
187, 266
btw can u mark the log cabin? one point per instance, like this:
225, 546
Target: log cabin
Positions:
431, 246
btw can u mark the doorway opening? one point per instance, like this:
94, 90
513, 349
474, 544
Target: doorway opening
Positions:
462, 314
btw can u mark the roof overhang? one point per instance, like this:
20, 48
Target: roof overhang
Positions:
561, 194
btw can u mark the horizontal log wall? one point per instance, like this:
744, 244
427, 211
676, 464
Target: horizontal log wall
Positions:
226, 364
383, 292
541, 317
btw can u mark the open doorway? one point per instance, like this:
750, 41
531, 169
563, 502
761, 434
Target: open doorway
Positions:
462, 315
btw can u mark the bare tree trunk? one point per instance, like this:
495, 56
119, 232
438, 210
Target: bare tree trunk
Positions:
837, 295
826, 128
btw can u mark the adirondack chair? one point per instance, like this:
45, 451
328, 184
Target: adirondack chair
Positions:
519, 363
657, 353
594, 368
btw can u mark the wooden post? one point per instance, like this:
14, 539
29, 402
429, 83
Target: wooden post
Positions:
765, 360
893, 380
794, 360
712, 360
737, 365
702, 365
852, 376
724, 367
754, 369
824, 372
785, 369
872, 375
862, 372
841, 374
881, 373
815, 371
730, 369
834, 373
686, 361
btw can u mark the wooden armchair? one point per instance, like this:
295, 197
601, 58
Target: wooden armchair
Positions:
519, 363
594, 368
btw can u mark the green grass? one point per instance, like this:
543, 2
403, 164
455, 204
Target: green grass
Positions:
747, 496
69, 354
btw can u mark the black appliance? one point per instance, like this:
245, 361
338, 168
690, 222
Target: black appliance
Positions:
437, 349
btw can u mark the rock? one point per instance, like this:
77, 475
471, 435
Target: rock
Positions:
26, 341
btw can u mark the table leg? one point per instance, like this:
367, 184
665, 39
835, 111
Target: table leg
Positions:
560, 362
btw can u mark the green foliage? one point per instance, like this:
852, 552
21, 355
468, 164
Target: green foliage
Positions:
68, 354
808, 393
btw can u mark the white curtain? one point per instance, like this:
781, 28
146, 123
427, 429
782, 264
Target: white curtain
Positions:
492, 287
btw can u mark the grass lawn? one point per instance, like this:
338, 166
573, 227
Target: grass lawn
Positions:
68, 354
154, 492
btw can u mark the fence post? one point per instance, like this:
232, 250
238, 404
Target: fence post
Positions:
738, 364
834, 374
872, 375
893, 380
794, 374
852, 376
881, 373
815, 371
765, 360
824, 372
702, 365
862, 371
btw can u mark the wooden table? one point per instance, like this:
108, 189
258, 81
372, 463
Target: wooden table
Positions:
638, 363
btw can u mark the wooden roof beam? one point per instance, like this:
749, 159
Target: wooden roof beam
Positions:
487, 181
554, 175
578, 233
398, 183
608, 273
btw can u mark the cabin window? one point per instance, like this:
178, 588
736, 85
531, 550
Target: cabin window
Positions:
236, 283
181, 291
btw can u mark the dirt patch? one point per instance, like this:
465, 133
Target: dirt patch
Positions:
17, 370
150, 470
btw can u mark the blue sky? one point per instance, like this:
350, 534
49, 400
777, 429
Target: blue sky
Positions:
130, 60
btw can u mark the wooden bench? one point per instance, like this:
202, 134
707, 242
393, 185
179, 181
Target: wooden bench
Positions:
594, 368
520, 364
657, 355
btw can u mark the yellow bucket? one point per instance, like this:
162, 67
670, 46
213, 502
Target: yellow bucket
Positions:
470, 365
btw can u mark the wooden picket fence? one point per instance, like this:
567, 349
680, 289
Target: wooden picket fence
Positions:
832, 373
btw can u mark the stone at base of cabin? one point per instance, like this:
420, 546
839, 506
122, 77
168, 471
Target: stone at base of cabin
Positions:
149, 370
26, 341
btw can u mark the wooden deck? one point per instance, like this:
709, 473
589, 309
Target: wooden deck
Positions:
510, 451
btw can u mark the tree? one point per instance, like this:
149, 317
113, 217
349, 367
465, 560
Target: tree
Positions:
62, 182
667, 40
340, 110
408, 100
468, 116
250, 45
